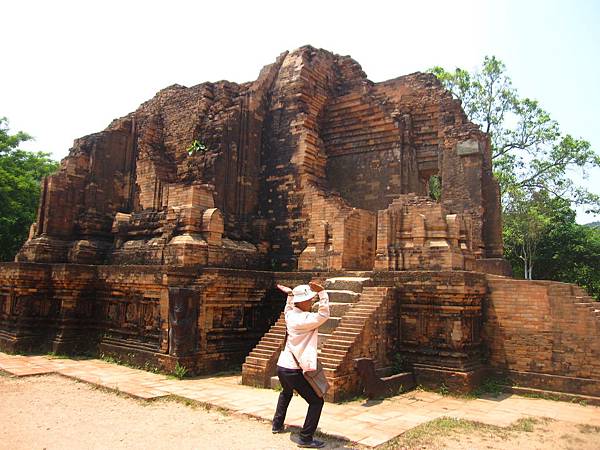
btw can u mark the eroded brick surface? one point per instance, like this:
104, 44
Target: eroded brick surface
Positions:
160, 239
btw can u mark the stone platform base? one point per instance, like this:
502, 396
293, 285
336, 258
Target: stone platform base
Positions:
194, 364
454, 380
552, 384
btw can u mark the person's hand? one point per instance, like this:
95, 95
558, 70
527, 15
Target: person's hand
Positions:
316, 287
285, 289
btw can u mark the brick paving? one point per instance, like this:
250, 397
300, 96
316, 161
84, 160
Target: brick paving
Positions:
368, 423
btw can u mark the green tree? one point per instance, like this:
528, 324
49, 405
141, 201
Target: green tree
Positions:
543, 241
532, 159
569, 252
20, 175
526, 221
529, 152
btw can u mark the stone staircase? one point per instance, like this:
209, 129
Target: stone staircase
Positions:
360, 334
544, 335
583, 300
360, 316
344, 294
336, 348
586, 309
260, 365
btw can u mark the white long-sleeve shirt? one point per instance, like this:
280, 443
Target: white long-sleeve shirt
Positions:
302, 328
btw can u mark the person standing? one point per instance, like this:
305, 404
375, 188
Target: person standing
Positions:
300, 354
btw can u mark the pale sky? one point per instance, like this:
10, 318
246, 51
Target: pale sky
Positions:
70, 67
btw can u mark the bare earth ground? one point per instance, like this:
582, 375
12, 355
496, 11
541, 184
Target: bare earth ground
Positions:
52, 412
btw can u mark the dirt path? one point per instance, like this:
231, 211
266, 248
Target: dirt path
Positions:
52, 412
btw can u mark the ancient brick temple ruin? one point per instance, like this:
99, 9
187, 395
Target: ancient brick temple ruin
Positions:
160, 239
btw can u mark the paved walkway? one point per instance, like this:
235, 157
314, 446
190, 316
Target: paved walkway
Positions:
367, 423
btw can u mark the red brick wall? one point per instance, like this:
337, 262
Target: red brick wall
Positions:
540, 334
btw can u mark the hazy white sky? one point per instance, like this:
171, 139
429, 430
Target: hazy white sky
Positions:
70, 67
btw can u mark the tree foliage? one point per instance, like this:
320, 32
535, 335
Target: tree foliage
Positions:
532, 160
543, 241
526, 223
529, 151
20, 175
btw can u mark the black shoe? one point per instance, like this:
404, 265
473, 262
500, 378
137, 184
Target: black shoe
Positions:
311, 444
277, 430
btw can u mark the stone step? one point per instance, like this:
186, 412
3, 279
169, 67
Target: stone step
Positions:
365, 304
269, 345
329, 326
347, 331
362, 314
256, 361
344, 333
270, 339
361, 311
370, 302
260, 354
337, 343
334, 344
267, 350
331, 364
335, 309
333, 351
347, 283
353, 323
277, 329
342, 296
338, 309
322, 338
351, 327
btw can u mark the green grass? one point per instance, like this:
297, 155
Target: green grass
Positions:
491, 386
429, 432
526, 424
180, 371
356, 398
443, 390
55, 355
542, 396
553, 397
148, 367
436, 431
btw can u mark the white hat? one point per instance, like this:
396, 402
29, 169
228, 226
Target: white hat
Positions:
302, 293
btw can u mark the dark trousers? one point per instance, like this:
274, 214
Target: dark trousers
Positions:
292, 380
